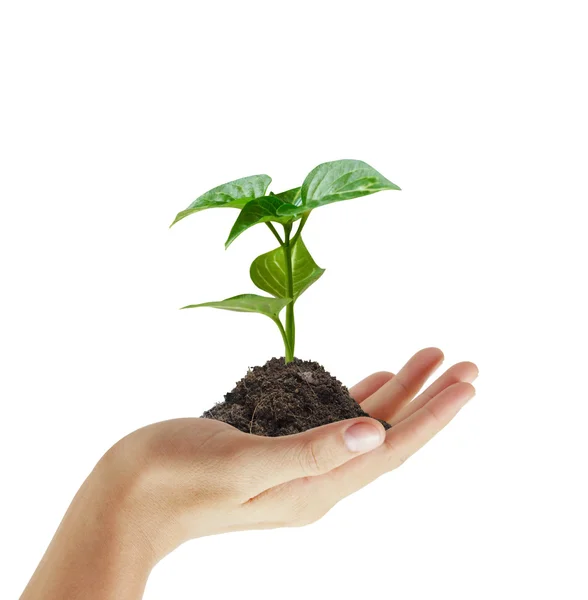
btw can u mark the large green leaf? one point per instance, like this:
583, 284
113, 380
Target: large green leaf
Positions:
268, 271
235, 194
339, 180
270, 307
257, 211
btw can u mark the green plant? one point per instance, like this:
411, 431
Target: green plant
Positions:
289, 270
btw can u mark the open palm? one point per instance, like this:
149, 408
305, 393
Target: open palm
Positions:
415, 419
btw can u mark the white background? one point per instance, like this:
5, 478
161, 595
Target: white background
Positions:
116, 115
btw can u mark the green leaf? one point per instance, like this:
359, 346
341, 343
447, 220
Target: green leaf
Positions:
339, 180
268, 271
235, 194
257, 211
270, 307
290, 196
342, 180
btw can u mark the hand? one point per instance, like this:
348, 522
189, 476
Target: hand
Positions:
196, 477
187, 478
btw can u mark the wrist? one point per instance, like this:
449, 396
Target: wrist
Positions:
127, 483
100, 549
115, 513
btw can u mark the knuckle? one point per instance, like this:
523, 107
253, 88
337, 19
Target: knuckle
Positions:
403, 386
302, 522
306, 515
397, 456
299, 512
237, 459
292, 509
246, 468
311, 458
306, 508
434, 421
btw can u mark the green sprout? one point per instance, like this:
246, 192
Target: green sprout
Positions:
289, 270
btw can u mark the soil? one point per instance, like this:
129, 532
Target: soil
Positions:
280, 399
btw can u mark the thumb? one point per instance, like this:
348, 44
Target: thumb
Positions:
319, 450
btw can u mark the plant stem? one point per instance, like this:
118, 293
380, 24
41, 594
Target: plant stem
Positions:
302, 223
273, 230
290, 326
289, 353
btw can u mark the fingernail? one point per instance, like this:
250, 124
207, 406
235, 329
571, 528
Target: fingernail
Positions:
362, 437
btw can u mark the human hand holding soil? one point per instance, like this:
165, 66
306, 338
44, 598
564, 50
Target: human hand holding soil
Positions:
186, 478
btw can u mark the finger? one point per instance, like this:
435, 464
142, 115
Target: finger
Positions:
401, 442
398, 391
464, 371
313, 452
366, 387
415, 431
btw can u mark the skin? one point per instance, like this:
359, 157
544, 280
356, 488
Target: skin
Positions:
182, 479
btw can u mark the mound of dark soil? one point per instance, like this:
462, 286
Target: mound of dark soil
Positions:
281, 399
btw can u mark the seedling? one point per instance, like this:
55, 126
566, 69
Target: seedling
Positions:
289, 270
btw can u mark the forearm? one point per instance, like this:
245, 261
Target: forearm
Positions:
98, 552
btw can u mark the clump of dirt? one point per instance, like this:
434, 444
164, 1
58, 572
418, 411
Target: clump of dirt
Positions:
280, 399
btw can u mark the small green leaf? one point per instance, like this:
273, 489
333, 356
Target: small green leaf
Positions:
290, 196
338, 180
268, 271
270, 307
257, 211
235, 194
